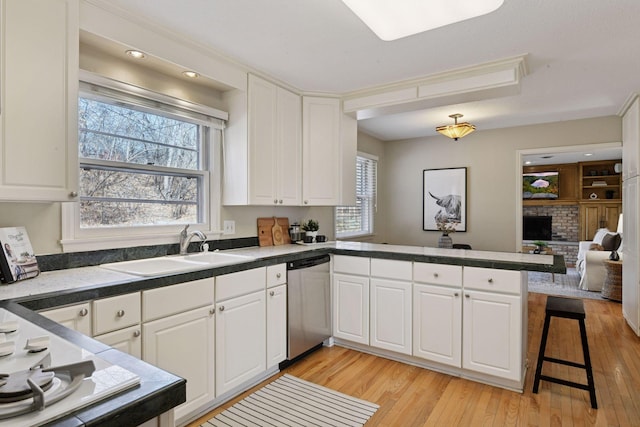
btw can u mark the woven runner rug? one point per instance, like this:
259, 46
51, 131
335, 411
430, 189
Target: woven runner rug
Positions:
290, 401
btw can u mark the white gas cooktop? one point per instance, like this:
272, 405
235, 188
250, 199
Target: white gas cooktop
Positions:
17, 337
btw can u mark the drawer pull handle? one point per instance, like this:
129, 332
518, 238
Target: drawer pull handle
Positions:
455, 294
466, 296
278, 275
73, 194
212, 311
275, 201
435, 275
120, 313
83, 312
136, 333
221, 308
490, 280
272, 293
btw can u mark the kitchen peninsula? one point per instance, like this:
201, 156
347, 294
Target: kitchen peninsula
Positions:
424, 276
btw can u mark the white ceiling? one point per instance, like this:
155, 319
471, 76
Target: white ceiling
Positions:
582, 58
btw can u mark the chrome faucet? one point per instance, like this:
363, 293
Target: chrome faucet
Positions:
185, 238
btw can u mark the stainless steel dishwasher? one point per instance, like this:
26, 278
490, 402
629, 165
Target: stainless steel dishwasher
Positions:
308, 305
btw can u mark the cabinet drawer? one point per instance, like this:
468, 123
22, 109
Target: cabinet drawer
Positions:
276, 275
240, 283
114, 313
391, 269
351, 265
493, 280
163, 302
437, 274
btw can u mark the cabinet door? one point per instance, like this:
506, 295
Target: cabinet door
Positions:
631, 257
321, 173
599, 215
263, 153
76, 317
391, 315
276, 325
183, 344
289, 143
128, 340
351, 308
240, 340
492, 334
631, 140
38, 132
437, 324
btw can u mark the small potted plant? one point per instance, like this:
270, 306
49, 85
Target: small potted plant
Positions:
540, 246
311, 228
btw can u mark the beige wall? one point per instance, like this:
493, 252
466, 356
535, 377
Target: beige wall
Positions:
492, 183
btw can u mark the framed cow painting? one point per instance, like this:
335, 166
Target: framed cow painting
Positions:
445, 199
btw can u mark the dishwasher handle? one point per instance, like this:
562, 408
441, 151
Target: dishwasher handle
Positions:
308, 262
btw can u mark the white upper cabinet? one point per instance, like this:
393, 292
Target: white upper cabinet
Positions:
38, 111
321, 151
264, 161
631, 140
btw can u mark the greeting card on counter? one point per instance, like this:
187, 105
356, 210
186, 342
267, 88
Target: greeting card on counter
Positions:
17, 260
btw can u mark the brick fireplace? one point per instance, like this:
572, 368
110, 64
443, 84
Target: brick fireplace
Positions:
564, 228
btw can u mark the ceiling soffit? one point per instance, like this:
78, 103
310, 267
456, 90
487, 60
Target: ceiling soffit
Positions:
485, 81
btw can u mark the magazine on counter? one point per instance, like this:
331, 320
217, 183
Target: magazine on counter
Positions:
17, 260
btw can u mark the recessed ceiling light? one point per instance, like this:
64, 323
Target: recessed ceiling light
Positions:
588, 154
391, 20
135, 54
191, 74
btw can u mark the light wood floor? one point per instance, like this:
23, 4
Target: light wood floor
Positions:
410, 396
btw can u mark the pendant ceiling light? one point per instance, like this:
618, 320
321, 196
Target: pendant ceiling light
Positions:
391, 20
456, 130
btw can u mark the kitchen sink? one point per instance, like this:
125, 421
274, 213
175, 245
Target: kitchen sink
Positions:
216, 258
176, 264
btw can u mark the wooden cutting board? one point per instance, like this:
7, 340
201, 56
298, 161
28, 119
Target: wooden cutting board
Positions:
265, 231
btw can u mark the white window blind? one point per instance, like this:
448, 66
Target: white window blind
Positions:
358, 220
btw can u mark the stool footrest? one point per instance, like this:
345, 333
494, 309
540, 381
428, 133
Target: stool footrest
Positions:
565, 382
564, 362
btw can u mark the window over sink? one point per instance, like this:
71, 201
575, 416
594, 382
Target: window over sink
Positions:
148, 164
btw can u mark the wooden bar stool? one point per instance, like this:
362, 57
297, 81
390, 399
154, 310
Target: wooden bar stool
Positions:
569, 308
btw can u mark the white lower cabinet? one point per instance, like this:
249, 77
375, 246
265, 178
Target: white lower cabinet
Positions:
437, 313
179, 336
183, 344
276, 325
437, 324
351, 308
494, 314
390, 315
76, 317
127, 340
492, 328
240, 340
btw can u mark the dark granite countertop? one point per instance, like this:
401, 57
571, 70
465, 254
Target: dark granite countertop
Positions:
160, 391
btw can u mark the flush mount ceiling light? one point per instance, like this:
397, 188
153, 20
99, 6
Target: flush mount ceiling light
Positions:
135, 54
191, 74
391, 20
456, 130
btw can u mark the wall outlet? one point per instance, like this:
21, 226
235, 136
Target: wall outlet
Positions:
229, 227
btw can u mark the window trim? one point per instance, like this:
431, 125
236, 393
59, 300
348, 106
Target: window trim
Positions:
75, 239
374, 207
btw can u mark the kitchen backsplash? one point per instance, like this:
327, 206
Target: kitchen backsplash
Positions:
85, 259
